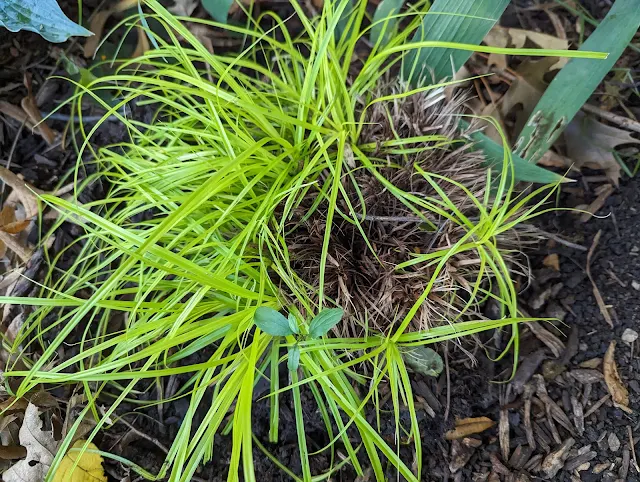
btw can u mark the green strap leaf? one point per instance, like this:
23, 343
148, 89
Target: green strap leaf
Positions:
383, 30
463, 21
324, 321
41, 16
523, 170
575, 83
272, 322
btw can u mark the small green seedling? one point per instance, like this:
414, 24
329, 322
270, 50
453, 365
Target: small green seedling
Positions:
275, 324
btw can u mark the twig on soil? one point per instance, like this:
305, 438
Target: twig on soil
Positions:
556, 238
596, 292
446, 367
151, 439
633, 449
528, 393
597, 405
625, 122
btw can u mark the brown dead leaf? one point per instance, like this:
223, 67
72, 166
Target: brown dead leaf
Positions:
143, 43
183, 8
552, 261
15, 113
591, 144
98, 22
553, 159
619, 393
24, 192
30, 106
469, 426
518, 38
525, 92
12, 452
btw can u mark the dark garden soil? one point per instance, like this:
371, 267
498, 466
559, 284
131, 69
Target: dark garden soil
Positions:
554, 421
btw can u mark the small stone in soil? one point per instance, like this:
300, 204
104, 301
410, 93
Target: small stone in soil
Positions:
614, 442
629, 335
635, 285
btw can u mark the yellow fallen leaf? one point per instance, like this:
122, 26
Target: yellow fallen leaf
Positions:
469, 426
619, 393
87, 469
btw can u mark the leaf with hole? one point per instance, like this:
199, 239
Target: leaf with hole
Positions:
324, 321
423, 360
271, 322
294, 358
577, 80
40, 16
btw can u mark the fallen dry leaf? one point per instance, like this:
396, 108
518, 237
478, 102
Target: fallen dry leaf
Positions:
25, 193
183, 8
30, 106
526, 90
79, 466
517, 38
40, 446
98, 22
552, 261
15, 113
12, 452
591, 144
469, 426
619, 393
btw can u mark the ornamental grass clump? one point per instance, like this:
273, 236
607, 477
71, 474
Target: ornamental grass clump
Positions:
297, 176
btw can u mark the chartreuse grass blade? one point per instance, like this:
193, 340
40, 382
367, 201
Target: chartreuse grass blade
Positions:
191, 239
577, 80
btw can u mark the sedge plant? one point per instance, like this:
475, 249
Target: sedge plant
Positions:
189, 258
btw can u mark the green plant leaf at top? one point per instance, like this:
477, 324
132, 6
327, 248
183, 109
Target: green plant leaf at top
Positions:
272, 322
463, 21
384, 29
324, 321
423, 360
218, 9
577, 80
41, 16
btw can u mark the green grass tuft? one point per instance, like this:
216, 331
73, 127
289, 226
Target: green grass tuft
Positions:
190, 241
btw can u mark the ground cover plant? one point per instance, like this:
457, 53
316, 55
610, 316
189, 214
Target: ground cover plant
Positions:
285, 203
